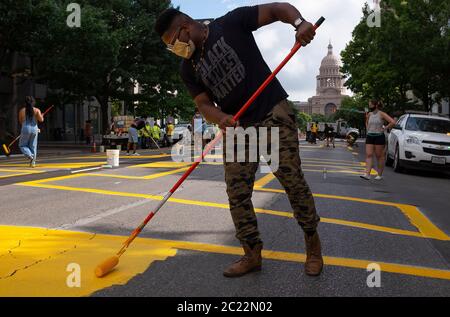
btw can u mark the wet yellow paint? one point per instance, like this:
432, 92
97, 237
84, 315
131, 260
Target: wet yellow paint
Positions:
34, 261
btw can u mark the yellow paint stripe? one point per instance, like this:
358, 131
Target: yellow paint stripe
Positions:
353, 165
14, 175
56, 165
152, 176
168, 164
30, 171
339, 171
42, 256
226, 206
55, 179
417, 219
420, 221
328, 260
171, 164
335, 166
263, 181
327, 160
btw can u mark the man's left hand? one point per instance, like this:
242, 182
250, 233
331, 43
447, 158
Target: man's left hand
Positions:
305, 33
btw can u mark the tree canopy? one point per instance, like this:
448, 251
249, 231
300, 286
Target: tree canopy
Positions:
114, 48
409, 52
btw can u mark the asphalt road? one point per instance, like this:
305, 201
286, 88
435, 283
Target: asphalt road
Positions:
51, 218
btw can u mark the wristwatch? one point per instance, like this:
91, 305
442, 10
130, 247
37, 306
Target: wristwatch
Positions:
297, 22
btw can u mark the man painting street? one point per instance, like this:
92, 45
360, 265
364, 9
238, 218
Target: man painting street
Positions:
222, 64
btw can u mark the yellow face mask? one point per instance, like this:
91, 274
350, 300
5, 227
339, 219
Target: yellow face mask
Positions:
182, 49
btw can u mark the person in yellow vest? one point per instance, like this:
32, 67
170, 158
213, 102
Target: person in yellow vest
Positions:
146, 132
314, 131
170, 131
156, 133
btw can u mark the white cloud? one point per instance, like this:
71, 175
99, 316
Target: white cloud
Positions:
275, 41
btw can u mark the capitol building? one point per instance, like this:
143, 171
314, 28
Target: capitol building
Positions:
330, 88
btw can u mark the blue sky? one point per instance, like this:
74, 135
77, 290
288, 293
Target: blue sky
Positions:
199, 9
276, 40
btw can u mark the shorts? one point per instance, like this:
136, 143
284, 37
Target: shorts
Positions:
376, 139
133, 136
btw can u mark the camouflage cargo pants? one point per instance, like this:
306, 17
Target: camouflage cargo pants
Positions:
240, 178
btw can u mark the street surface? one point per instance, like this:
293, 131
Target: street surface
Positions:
54, 216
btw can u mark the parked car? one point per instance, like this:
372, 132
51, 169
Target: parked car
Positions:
421, 141
180, 131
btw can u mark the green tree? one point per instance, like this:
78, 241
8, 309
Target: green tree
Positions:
114, 48
302, 119
410, 51
353, 111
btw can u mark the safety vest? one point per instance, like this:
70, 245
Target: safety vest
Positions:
170, 129
156, 132
146, 131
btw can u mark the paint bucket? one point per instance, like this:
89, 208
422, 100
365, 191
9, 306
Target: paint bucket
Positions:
113, 157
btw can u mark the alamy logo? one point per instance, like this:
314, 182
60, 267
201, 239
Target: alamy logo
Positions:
74, 278
74, 18
374, 278
374, 19
224, 70
263, 146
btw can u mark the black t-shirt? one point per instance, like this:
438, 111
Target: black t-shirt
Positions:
232, 67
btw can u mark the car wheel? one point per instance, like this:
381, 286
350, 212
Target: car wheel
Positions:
389, 160
397, 165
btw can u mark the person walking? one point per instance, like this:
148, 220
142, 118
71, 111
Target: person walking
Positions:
29, 116
376, 139
133, 140
222, 68
329, 135
88, 132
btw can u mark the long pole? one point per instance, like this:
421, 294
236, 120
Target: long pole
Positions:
244, 108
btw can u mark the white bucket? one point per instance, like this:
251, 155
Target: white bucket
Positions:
113, 157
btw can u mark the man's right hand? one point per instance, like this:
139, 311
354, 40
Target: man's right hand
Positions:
227, 121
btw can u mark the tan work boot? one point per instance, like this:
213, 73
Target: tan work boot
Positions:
250, 262
314, 261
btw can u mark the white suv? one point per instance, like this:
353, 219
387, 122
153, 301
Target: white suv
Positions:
420, 141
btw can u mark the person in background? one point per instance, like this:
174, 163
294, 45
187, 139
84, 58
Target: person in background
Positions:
199, 128
376, 139
156, 133
88, 132
29, 116
146, 134
314, 132
112, 127
170, 131
132, 140
329, 134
